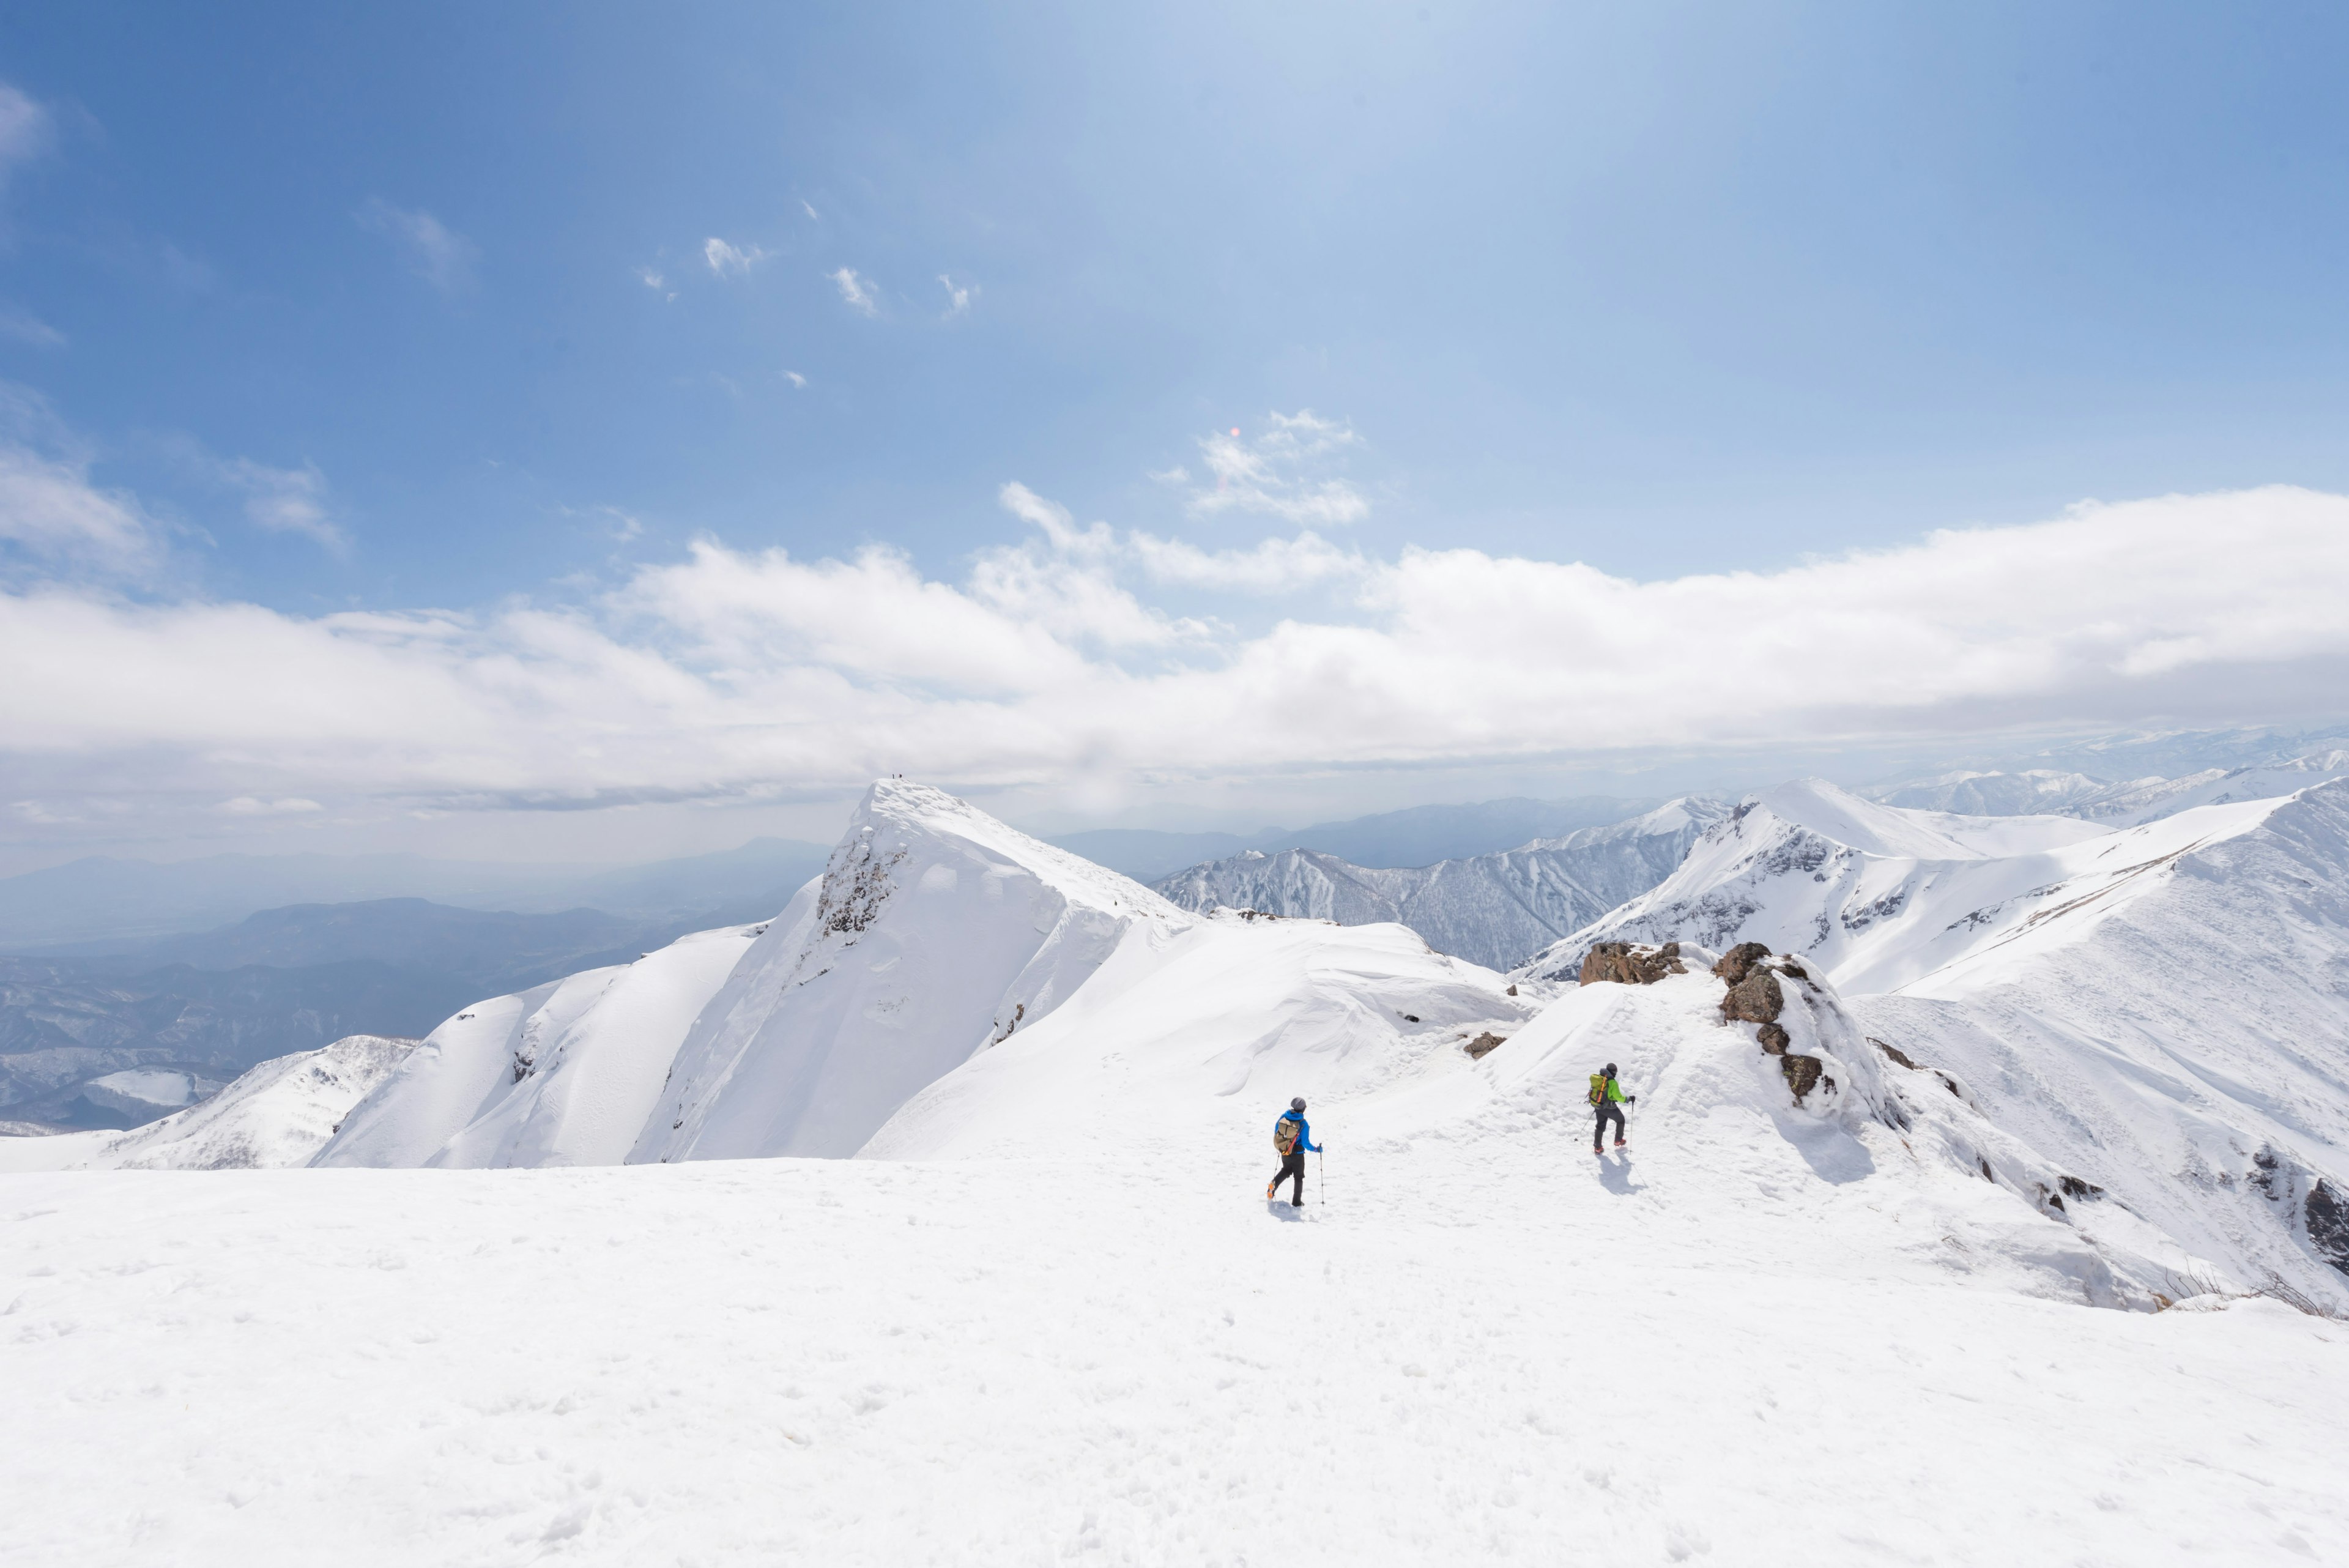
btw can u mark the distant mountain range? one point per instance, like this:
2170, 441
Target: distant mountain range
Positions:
1492, 909
100, 904
1417, 836
2125, 804
2092, 1054
189, 968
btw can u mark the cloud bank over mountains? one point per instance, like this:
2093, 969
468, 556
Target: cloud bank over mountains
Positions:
1090, 652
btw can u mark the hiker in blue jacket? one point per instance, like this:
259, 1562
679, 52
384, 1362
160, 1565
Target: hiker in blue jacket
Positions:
1292, 1138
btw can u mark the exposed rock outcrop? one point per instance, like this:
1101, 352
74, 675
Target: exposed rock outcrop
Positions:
1756, 999
2328, 1224
1739, 959
1483, 1045
1631, 963
1802, 1073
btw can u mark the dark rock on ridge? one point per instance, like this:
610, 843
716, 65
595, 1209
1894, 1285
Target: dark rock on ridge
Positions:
1629, 963
1739, 959
1756, 999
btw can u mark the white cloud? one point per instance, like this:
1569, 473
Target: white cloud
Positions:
730, 261
725, 673
438, 254
250, 805
50, 509
25, 130
809, 210
958, 294
858, 293
26, 328
53, 513
1279, 472
283, 500
795, 379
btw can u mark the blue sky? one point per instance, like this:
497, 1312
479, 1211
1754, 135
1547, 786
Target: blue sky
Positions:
455, 309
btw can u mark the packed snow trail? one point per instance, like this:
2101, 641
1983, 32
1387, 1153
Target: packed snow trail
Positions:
1103, 1359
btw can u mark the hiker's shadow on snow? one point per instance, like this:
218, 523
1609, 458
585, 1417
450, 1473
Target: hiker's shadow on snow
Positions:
1283, 1210
1614, 1173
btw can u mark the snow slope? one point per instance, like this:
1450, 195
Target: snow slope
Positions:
1182, 1063
2161, 1009
278, 1113
1102, 1345
1181, 1049
562, 1073
1491, 909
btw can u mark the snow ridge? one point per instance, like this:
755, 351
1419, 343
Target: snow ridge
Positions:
2157, 1010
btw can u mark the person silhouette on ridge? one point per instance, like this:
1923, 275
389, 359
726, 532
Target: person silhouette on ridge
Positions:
1292, 1137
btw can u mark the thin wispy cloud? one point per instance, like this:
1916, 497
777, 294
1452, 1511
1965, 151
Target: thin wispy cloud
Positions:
434, 251
26, 131
858, 293
795, 379
26, 328
1282, 471
285, 500
809, 210
958, 294
729, 260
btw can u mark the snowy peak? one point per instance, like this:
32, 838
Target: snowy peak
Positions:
896, 814
935, 932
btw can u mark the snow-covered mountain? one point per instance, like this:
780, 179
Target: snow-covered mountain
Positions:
1854, 1223
277, 1114
2160, 1007
935, 932
2124, 803
1492, 910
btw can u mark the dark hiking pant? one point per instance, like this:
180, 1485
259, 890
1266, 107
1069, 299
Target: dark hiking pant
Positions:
1292, 1165
1598, 1133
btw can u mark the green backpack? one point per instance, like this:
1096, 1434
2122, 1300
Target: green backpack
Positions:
1597, 1088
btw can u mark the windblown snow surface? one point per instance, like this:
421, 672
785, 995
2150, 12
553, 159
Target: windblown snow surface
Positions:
1492, 910
1048, 1315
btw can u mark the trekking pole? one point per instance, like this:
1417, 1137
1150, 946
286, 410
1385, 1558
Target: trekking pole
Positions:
1322, 1174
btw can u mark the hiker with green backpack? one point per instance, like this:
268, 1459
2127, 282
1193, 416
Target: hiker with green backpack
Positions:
1608, 1099
1292, 1137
